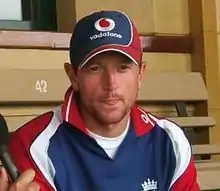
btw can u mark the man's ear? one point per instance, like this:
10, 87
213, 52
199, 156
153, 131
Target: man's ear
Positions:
141, 73
72, 74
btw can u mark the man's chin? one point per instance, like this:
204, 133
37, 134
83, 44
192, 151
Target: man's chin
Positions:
112, 118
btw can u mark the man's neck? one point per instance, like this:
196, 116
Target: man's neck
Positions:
102, 129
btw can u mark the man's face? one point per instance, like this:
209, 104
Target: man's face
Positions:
108, 85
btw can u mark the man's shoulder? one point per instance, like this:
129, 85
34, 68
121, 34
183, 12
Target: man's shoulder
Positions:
180, 144
172, 129
33, 128
36, 124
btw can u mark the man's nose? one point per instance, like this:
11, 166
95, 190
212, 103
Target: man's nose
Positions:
110, 81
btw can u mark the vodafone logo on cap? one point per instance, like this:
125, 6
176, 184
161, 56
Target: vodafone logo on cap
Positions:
104, 24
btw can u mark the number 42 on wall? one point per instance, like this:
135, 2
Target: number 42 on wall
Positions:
41, 86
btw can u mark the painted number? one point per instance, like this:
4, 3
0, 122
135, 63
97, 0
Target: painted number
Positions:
41, 86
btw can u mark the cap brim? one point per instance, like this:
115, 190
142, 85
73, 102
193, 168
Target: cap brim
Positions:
127, 51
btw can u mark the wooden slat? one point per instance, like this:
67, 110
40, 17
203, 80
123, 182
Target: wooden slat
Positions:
21, 86
25, 110
206, 149
166, 110
195, 122
208, 166
209, 179
32, 40
33, 85
171, 86
55, 40
174, 44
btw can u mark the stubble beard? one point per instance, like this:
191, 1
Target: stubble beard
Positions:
107, 118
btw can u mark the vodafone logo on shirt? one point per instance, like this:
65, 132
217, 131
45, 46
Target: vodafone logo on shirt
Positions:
105, 25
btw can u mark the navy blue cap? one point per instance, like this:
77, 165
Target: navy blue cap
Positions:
104, 31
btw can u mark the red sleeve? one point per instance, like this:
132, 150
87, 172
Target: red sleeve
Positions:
20, 143
188, 180
185, 173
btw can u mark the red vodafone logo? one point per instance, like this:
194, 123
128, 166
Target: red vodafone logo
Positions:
104, 24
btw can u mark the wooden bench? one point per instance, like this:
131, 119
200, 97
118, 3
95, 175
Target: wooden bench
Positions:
176, 96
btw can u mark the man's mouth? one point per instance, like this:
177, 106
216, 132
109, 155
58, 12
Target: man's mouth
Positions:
112, 101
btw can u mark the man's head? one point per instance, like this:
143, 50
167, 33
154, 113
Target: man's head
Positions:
106, 65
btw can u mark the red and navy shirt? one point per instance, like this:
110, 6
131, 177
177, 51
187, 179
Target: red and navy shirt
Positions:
155, 154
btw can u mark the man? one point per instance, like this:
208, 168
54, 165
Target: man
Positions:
99, 139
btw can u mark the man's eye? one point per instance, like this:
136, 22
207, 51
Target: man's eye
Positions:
123, 67
94, 68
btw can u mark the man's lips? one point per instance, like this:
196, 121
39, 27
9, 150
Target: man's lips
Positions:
110, 101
